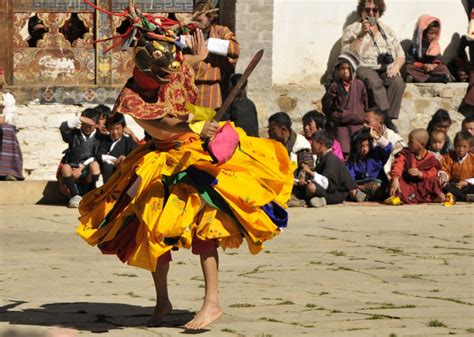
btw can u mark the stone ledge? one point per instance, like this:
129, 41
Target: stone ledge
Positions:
420, 101
29, 192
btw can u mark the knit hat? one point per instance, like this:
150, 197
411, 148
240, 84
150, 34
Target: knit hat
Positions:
349, 57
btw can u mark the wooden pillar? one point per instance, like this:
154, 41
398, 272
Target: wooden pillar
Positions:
103, 26
6, 40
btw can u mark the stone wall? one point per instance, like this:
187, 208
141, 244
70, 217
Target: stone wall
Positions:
420, 101
42, 145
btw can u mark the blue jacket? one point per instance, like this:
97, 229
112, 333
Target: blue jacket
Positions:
372, 165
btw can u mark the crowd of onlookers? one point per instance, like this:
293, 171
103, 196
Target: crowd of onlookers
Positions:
97, 143
379, 164
349, 151
353, 150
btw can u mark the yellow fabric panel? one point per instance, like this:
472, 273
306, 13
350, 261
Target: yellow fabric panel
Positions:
258, 173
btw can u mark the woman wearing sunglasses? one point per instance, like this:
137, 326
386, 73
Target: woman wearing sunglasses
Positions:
381, 55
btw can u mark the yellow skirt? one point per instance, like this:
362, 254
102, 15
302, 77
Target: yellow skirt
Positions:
157, 200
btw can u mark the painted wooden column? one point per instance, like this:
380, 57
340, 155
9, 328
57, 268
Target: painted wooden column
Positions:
103, 26
6, 40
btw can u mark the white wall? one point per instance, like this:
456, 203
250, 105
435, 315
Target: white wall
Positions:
305, 32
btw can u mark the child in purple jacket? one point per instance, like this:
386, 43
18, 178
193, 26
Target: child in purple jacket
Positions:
369, 153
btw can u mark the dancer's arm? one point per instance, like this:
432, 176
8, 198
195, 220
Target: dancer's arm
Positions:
168, 127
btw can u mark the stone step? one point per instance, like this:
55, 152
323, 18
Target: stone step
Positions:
30, 192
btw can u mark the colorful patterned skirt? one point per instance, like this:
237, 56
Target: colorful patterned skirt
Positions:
11, 159
164, 195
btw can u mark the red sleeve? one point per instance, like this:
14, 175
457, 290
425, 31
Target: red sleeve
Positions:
398, 166
431, 173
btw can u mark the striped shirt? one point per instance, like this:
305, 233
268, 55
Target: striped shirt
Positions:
213, 73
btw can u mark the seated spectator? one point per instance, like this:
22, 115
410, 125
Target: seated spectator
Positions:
441, 121
369, 153
103, 111
79, 170
345, 101
468, 124
414, 172
279, 129
314, 121
330, 182
242, 110
299, 149
114, 148
457, 168
11, 158
437, 145
381, 55
374, 119
423, 57
462, 66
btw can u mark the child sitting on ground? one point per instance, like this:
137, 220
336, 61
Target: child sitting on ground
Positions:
313, 121
424, 62
468, 124
369, 153
414, 172
79, 170
457, 168
345, 101
438, 144
331, 182
115, 147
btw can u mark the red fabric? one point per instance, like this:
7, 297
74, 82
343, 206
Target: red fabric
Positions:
171, 97
423, 22
203, 246
413, 189
165, 258
145, 81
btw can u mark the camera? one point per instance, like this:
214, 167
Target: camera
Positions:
385, 59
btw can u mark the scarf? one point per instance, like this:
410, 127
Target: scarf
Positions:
422, 24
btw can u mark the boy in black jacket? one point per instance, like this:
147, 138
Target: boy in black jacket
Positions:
331, 182
115, 147
79, 169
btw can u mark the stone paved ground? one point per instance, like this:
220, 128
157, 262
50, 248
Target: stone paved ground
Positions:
339, 271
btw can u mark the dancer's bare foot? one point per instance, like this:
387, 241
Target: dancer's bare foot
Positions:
161, 310
209, 312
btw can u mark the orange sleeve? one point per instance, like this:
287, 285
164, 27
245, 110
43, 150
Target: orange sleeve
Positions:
447, 165
205, 71
233, 51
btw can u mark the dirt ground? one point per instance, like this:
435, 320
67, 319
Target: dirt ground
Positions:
344, 270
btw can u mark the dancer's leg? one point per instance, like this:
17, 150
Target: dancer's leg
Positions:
163, 305
210, 310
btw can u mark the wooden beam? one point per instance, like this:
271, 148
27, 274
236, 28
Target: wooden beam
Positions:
6, 40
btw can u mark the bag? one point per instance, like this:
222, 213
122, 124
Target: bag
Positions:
222, 146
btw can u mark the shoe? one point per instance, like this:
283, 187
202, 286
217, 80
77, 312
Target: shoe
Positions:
469, 197
10, 178
409, 79
295, 202
74, 201
360, 196
317, 202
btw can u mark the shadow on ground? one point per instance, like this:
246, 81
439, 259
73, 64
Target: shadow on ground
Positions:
89, 316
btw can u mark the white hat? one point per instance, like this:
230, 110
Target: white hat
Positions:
350, 57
